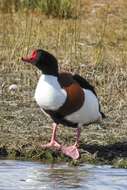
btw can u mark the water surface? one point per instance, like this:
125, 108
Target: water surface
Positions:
23, 175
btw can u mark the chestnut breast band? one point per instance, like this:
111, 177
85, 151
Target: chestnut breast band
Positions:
75, 96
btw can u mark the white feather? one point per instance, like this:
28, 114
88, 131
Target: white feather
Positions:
89, 112
49, 94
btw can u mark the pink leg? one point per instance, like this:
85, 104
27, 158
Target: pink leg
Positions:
72, 151
53, 142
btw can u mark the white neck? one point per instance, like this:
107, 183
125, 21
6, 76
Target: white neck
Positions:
50, 79
49, 94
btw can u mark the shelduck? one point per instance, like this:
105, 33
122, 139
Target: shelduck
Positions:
67, 98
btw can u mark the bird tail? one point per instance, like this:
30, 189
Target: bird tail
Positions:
103, 115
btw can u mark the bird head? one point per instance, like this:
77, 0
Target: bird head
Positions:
44, 61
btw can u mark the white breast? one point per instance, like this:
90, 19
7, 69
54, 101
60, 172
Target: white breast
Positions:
89, 112
49, 94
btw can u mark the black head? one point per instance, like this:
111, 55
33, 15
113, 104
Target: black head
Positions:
44, 61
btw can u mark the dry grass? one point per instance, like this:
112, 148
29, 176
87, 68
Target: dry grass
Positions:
94, 46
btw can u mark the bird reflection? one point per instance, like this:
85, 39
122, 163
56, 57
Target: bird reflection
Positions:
64, 177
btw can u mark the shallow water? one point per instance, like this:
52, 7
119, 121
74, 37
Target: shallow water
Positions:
23, 175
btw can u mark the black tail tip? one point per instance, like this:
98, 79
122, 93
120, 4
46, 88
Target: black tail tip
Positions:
103, 115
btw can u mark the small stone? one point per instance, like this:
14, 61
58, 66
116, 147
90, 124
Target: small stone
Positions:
13, 87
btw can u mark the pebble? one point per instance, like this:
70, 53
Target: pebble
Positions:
13, 87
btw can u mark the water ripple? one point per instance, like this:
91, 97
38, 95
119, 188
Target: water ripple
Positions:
24, 175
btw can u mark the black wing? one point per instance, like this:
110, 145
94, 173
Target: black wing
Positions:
84, 83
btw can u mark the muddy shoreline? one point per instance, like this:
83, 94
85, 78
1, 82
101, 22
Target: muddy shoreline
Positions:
25, 127
113, 154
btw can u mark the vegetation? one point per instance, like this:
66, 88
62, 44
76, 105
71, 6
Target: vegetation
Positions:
55, 8
95, 46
